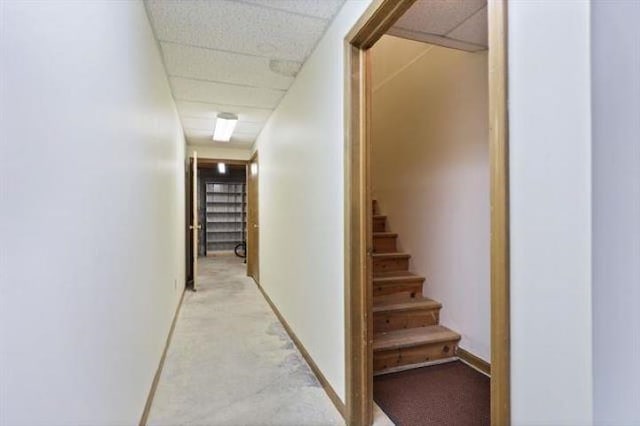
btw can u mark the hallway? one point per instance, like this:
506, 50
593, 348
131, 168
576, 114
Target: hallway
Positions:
231, 362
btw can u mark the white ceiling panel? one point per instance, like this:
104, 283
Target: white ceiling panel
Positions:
248, 128
473, 30
210, 111
324, 9
237, 27
438, 16
220, 66
243, 138
203, 124
225, 94
206, 141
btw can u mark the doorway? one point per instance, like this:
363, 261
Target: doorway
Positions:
253, 220
359, 245
216, 211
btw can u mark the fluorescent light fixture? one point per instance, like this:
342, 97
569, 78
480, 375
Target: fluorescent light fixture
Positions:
254, 169
222, 168
225, 123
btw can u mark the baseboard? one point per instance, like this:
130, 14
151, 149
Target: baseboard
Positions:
333, 396
474, 361
156, 377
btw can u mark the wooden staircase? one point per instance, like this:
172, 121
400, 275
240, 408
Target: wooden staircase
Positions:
405, 324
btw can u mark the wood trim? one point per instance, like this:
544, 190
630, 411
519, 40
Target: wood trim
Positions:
156, 377
499, 170
253, 218
474, 360
333, 396
376, 20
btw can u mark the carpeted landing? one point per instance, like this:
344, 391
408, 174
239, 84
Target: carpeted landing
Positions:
445, 394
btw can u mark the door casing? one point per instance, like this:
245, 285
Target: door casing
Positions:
376, 20
253, 220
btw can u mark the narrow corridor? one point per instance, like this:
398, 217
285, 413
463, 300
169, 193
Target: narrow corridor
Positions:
231, 362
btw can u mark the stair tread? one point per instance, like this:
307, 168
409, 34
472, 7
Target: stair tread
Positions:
390, 304
391, 255
409, 337
395, 276
385, 234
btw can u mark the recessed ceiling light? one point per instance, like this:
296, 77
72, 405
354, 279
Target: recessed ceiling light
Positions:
225, 123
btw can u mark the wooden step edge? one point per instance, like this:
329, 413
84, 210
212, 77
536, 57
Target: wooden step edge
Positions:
443, 335
391, 255
410, 305
385, 234
397, 279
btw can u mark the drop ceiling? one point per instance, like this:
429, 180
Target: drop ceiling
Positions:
459, 24
237, 56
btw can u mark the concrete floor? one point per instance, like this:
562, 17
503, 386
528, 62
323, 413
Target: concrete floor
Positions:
232, 363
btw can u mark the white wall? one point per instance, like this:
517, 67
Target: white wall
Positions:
550, 179
616, 211
91, 214
430, 170
302, 201
219, 153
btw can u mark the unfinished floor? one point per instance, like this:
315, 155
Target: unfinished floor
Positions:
231, 362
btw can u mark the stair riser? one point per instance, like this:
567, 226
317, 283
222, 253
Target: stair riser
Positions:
390, 265
379, 224
389, 321
407, 289
384, 244
386, 359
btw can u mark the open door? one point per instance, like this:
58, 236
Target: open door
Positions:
253, 224
195, 226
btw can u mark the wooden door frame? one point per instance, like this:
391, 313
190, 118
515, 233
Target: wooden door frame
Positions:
376, 20
250, 266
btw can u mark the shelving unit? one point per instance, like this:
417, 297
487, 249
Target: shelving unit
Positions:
226, 215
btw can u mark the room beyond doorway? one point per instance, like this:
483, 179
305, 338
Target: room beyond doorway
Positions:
379, 18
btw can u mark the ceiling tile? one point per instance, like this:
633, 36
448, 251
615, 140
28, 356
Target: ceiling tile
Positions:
249, 128
324, 9
243, 137
220, 93
198, 124
473, 30
438, 16
205, 140
234, 26
215, 65
435, 39
210, 111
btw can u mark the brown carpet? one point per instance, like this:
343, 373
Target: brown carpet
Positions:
445, 394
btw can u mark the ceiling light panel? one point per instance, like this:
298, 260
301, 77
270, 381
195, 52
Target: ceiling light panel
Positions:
225, 94
235, 26
438, 16
214, 65
324, 9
